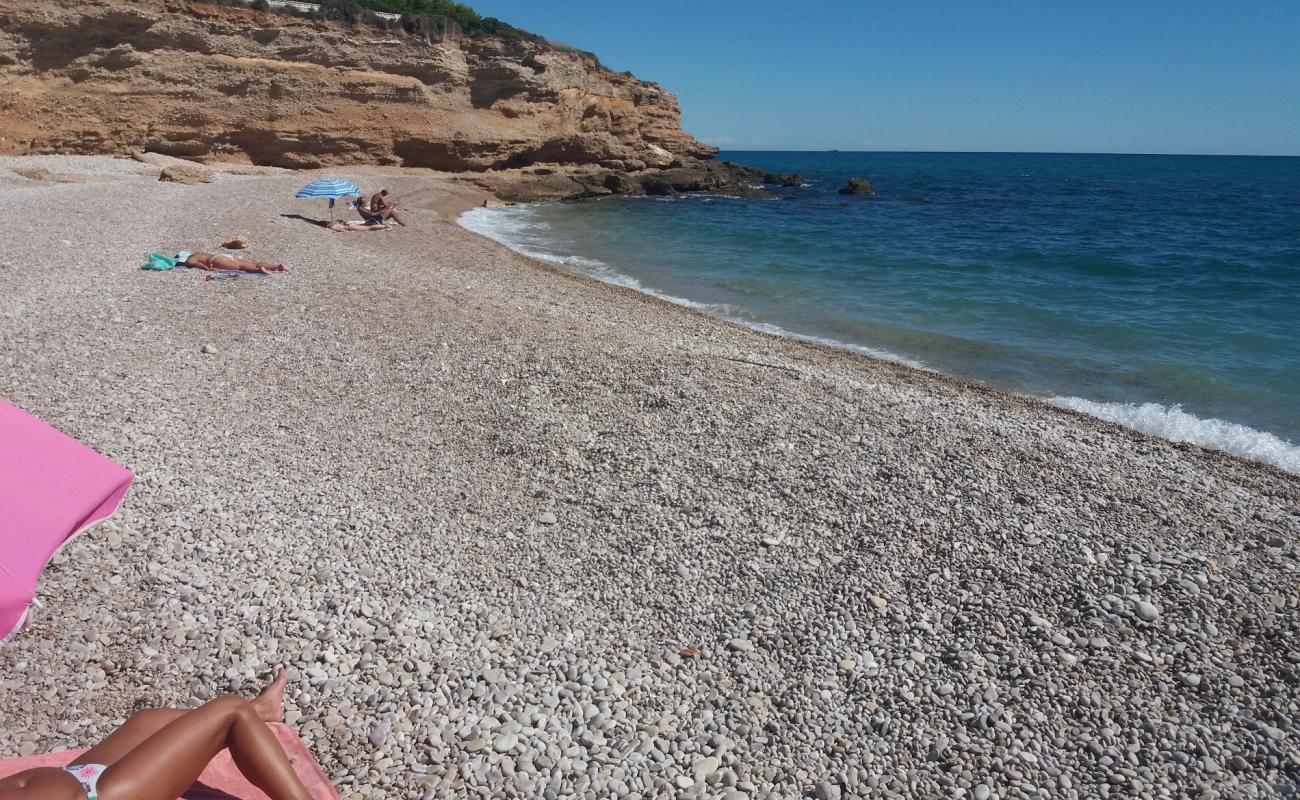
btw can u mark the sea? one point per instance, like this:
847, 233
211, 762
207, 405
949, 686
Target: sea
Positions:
1159, 292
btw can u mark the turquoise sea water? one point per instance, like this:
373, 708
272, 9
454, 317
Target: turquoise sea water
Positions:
1162, 292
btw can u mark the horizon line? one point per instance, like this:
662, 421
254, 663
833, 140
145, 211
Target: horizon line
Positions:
1002, 152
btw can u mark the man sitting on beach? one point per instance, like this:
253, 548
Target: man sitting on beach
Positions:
383, 207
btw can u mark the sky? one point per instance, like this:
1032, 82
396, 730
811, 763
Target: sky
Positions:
1138, 76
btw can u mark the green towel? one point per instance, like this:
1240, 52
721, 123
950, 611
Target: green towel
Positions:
159, 262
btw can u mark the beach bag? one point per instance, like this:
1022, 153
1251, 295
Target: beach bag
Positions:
159, 262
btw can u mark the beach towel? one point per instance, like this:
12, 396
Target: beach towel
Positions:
159, 262
52, 488
221, 779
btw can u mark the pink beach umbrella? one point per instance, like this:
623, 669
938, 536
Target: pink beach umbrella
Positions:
52, 488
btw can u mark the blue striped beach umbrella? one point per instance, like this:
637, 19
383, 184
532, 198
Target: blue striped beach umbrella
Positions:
330, 188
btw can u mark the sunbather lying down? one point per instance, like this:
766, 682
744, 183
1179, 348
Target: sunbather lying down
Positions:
353, 226
159, 753
219, 261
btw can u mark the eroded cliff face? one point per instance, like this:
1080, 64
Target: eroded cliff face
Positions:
218, 83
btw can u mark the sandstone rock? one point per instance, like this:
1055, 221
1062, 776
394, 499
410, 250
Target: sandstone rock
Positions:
783, 179
237, 242
313, 94
859, 187
34, 173
561, 182
703, 176
521, 188
186, 173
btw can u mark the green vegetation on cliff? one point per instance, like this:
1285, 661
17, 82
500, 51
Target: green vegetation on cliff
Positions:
424, 16
432, 18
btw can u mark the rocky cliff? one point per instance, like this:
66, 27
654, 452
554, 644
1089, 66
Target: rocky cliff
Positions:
211, 83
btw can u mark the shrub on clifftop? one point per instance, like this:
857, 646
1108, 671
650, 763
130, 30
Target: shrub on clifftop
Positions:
440, 15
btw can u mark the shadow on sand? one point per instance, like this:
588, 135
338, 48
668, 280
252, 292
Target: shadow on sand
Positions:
320, 223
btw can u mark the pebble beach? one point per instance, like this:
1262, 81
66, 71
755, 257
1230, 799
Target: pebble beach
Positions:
516, 533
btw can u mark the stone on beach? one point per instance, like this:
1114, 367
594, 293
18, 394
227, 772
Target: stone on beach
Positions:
1146, 610
185, 173
567, 548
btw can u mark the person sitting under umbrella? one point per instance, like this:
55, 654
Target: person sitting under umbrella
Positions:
368, 217
158, 754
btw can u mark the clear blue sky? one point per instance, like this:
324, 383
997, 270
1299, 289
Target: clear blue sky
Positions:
1137, 76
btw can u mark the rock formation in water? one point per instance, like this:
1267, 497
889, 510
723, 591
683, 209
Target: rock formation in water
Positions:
858, 186
215, 83
786, 179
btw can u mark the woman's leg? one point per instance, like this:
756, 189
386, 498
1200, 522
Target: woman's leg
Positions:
163, 766
135, 730
143, 724
223, 261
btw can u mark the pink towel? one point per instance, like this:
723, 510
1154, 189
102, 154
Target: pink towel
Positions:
52, 487
221, 779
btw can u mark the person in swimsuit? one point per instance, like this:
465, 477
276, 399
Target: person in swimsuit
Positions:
220, 261
370, 217
384, 208
159, 753
352, 226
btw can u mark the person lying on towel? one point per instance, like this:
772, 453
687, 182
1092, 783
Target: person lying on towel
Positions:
221, 261
352, 226
159, 753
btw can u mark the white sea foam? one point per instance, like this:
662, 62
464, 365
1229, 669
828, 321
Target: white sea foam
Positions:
516, 228
882, 355
1177, 425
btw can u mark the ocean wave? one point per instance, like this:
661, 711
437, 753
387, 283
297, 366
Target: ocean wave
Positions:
526, 237
516, 228
874, 352
1176, 425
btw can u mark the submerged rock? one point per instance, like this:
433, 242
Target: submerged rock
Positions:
859, 187
684, 177
783, 179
